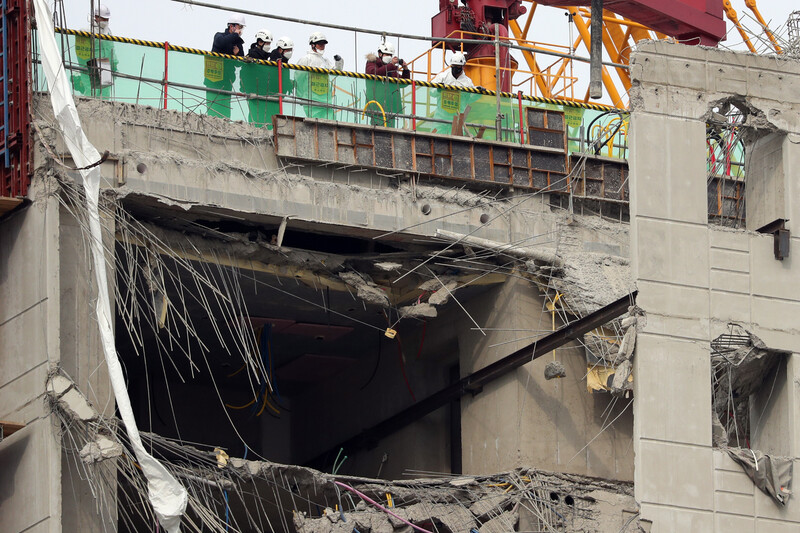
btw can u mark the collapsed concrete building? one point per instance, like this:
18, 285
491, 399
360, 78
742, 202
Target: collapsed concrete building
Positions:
379, 304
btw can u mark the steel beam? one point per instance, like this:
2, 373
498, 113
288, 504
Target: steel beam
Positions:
474, 382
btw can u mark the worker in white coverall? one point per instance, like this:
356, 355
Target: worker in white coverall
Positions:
316, 86
451, 102
455, 74
97, 60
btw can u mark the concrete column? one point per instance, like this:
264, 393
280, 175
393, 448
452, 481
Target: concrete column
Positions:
523, 419
83, 360
30, 488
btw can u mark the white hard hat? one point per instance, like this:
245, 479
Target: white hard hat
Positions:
284, 43
386, 48
459, 58
102, 11
317, 37
264, 35
236, 18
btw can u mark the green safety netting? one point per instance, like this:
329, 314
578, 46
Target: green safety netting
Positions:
204, 84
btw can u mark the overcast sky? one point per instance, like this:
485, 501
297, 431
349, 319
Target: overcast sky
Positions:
194, 26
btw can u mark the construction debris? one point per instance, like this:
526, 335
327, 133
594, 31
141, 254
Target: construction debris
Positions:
740, 362
100, 449
420, 310
554, 369
536, 254
63, 391
771, 474
366, 289
388, 267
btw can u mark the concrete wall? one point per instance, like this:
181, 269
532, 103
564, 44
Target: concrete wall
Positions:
693, 279
193, 160
522, 418
30, 486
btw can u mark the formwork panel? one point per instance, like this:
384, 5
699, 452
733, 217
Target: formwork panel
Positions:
483, 163
460, 158
384, 149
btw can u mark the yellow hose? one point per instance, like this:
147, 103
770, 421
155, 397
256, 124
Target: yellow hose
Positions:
381, 108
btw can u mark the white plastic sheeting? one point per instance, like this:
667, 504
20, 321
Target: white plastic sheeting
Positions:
166, 495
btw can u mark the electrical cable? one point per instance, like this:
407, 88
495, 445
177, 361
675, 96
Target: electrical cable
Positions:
422, 340
377, 363
402, 362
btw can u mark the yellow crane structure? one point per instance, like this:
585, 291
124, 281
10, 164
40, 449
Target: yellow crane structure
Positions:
547, 73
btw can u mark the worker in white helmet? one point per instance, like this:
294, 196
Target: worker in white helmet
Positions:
230, 41
316, 56
384, 99
102, 16
220, 73
455, 74
260, 48
260, 82
316, 86
96, 65
284, 47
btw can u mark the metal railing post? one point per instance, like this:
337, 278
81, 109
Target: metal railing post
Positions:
280, 87
166, 72
521, 119
414, 105
498, 87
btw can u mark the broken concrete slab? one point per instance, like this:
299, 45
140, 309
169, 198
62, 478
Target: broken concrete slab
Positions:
555, 369
388, 266
62, 390
366, 289
626, 345
100, 449
620, 385
504, 523
443, 294
485, 506
420, 310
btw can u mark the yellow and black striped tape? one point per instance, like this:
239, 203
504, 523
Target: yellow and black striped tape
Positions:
358, 75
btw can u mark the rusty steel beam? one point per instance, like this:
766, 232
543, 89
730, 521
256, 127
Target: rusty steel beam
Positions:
474, 382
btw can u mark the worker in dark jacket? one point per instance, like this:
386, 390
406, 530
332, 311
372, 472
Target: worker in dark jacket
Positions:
260, 80
220, 73
284, 47
260, 48
385, 98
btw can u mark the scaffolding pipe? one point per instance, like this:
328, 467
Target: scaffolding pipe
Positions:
596, 51
392, 34
498, 121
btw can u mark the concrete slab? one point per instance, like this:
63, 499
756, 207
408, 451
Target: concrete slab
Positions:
728, 307
673, 300
29, 459
776, 314
771, 277
671, 252
733, 482
671, 519
740, 524
666, 187
774, 526
676, 376
729, 502
675, 475
728, 239
727, 281
729, 259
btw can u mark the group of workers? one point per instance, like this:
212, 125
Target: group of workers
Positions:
384, 100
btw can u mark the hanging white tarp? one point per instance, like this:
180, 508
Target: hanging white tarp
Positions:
166, 495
